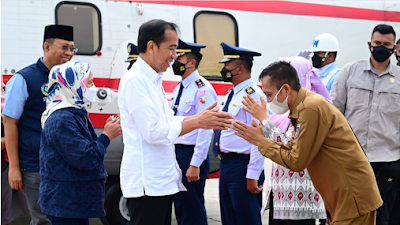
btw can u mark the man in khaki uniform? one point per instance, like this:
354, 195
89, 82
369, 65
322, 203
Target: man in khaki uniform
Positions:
323, 142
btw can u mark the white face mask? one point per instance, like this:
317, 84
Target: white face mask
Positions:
90, 94
276, 107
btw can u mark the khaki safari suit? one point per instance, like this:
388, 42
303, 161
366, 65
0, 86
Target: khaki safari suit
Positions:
324, 143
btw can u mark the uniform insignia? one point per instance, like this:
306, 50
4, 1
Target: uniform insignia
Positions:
250, 90
202, 100
392, 80
202, 92
297, 131
199, 83
278, 139
234, 105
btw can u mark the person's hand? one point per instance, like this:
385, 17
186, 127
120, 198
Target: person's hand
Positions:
253, 134
252, 186
15, 178
257, 110
112, 117
210, 118
305, 54
193, 174
113, 128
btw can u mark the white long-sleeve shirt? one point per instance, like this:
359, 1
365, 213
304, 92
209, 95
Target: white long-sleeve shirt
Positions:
149, 130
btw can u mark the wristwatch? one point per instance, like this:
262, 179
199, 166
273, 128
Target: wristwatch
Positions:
265, 121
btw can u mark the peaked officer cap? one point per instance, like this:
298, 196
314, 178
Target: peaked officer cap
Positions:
133, 52
187, 47
59, 31
233, 52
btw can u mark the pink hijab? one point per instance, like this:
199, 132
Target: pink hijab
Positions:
308, 80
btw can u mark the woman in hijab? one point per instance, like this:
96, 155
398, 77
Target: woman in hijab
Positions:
71, 155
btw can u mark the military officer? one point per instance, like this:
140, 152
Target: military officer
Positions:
190, 97
241, 165
133, 54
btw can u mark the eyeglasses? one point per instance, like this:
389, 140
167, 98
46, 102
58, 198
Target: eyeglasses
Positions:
66, 48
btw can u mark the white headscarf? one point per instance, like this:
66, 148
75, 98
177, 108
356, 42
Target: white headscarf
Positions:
67, 83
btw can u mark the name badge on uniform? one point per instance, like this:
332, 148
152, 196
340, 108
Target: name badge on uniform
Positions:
297, 131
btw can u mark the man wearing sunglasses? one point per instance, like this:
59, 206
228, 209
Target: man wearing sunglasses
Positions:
24, 105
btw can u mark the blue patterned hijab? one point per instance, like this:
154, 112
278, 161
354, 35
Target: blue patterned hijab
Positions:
67, 83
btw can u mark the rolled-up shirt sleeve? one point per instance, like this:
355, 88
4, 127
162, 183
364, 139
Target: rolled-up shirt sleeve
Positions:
155, 130
16, 96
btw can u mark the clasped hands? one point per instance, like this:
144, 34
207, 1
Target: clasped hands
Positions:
212, 118
254, 133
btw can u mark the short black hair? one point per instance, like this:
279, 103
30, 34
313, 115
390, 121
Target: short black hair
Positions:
384, 29
48, 40
398, 42
281, 73
248, 64
195, 56
153, 30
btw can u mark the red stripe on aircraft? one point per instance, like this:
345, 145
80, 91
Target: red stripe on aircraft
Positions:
290, 8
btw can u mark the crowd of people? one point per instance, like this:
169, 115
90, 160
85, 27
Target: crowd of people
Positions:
331, 133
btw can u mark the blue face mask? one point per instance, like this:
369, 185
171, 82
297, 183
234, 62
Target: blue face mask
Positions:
381, 53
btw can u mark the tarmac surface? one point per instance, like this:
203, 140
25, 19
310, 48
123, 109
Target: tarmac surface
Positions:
211, 194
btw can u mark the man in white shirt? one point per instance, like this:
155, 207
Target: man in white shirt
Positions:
150, 175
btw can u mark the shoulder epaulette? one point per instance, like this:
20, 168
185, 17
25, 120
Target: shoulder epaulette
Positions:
250, 90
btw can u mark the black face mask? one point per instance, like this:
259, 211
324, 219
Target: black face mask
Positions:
179, 68
227, 74
317, 61
380, 53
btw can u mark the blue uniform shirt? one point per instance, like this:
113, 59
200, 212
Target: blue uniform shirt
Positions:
230, 142
328, 74
16, 96
197, 94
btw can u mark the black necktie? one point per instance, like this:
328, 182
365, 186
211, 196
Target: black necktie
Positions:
175, 106
217, 135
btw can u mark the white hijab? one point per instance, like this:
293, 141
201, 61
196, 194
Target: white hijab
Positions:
67, 83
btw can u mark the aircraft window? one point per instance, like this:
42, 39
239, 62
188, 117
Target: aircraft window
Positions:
86, 20
211, 28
